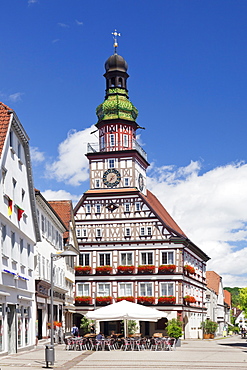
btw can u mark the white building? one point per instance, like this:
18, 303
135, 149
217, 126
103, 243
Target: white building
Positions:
19, 233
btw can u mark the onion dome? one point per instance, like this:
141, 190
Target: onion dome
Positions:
116, 63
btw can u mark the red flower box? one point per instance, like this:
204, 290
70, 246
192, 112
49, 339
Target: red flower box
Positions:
146, 300
146, 269
129, 298
103, 301
189, 299
128, 269
167, 269
104, 270
83, 300
83, 270
167, 300
189, 269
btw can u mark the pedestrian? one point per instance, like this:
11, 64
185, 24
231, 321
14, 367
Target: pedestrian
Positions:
75, 331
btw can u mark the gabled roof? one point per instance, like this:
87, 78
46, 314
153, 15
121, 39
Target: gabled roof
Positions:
213, 281
161, 212
227, 297
4, 124
64, 210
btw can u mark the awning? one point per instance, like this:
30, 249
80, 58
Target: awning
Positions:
25, 298
4, 294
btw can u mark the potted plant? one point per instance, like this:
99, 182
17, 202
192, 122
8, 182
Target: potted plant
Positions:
146, 300
189, 299
126, 269
146, 269
174, 330
189, 269
209, 328
83, 300
103, 301
83, 270
129, 298
167, 269
167, 299
104, 270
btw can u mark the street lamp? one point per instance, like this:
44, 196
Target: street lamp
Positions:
50, 351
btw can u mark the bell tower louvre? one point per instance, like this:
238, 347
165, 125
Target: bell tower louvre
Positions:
130, 247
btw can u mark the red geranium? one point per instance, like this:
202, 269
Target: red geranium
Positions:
146, 269
126, 269
167, 268
145, 300
189, 299
83, 300
104, 269
83, 270
129, 298
167, 299
104, 300
189, 269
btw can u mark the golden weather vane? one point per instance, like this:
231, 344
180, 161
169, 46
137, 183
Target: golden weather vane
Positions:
115, 35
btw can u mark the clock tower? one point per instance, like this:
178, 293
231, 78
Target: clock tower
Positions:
117, 160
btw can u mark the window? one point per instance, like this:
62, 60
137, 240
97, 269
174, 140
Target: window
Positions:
98, 233
4, 172
84, 259
104, 259
125, 140
126, 207
126, 259
166, 289
124, 289
83, 289
11, 139
111, 163
146, 258
12, 239
88, 208
137, 206
19, 150
84, 233
78, 233
97, 208
21, 248
28, 249
149, 230
126, 181
49, 229
142, 231
3, 239
127, 231
112, 139
146, 289
102, 142
103, 290
97, 183
43, 223
167, 258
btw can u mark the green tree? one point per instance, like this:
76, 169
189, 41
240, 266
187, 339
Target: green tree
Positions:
86, 324
174, 328
243, 300
235, 295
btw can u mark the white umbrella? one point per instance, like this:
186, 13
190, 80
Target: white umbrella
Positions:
125, 310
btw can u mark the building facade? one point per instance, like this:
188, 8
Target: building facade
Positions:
130, 247
19, 234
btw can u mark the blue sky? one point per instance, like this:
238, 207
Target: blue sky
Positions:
187, 64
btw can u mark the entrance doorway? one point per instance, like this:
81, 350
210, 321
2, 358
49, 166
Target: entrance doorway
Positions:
12, 340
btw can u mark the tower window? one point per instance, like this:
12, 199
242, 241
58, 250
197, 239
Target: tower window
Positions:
97, 183
98, 233
125, 140
127, 231
111, 163
120, 82
112, 139
127, 207
97, 208
126, 181
88, 208
102, 141
138, 206
113, 81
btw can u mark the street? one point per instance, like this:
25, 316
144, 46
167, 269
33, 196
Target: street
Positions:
227, 353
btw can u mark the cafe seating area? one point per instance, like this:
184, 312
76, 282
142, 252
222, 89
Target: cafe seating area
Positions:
131, 343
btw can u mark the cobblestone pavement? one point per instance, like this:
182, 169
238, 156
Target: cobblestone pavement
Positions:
221, 354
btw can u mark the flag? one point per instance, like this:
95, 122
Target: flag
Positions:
10, 206
19, 212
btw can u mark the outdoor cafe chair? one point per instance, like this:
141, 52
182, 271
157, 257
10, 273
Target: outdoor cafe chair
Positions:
126, 344
171, 344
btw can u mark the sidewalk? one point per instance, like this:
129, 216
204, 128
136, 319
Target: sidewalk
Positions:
221, 354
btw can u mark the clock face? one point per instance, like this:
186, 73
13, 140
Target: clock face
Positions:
111, 178
141, 182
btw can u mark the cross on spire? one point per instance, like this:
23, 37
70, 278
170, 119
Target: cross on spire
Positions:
115, 35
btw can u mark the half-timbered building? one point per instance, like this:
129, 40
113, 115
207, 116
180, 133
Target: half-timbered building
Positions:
130, 247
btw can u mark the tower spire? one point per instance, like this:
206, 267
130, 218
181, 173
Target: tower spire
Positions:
115, 44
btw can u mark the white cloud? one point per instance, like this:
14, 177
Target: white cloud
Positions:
78, 22
71, 165
59, 195
36, 155
211, 210
32, 2
15, 97
63, 25
55, 41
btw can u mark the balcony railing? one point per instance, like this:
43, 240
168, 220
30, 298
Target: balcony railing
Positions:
94, 148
